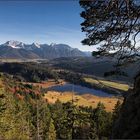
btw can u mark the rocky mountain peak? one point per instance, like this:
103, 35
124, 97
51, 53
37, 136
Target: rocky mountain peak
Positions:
17, 49
14, 44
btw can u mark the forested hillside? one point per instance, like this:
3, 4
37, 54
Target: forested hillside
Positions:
37, 72
100, 67
25, 114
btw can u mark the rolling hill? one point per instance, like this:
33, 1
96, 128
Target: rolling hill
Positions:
97, 67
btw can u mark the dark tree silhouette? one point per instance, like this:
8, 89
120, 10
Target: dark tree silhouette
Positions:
114, 24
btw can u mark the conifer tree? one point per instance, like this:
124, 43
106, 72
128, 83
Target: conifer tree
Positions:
103, 121
51, 131
116, 110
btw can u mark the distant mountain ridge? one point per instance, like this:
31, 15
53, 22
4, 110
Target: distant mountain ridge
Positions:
19, 50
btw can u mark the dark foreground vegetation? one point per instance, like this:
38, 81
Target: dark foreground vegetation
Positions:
25, 114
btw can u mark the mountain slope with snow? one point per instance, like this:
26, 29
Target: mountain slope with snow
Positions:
16, 49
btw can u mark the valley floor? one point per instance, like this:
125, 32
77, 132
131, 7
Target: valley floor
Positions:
86, 99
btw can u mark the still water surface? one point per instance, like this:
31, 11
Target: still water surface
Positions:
79, 90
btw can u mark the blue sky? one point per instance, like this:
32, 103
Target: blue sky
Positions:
52, 21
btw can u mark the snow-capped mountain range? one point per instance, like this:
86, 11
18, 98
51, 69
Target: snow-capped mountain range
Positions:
15, 49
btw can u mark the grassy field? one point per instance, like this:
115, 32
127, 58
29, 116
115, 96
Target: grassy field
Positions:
85, 99
3, 60
115, 85
82, 100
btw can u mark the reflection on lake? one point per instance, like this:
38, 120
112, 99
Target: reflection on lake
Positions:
80, 90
